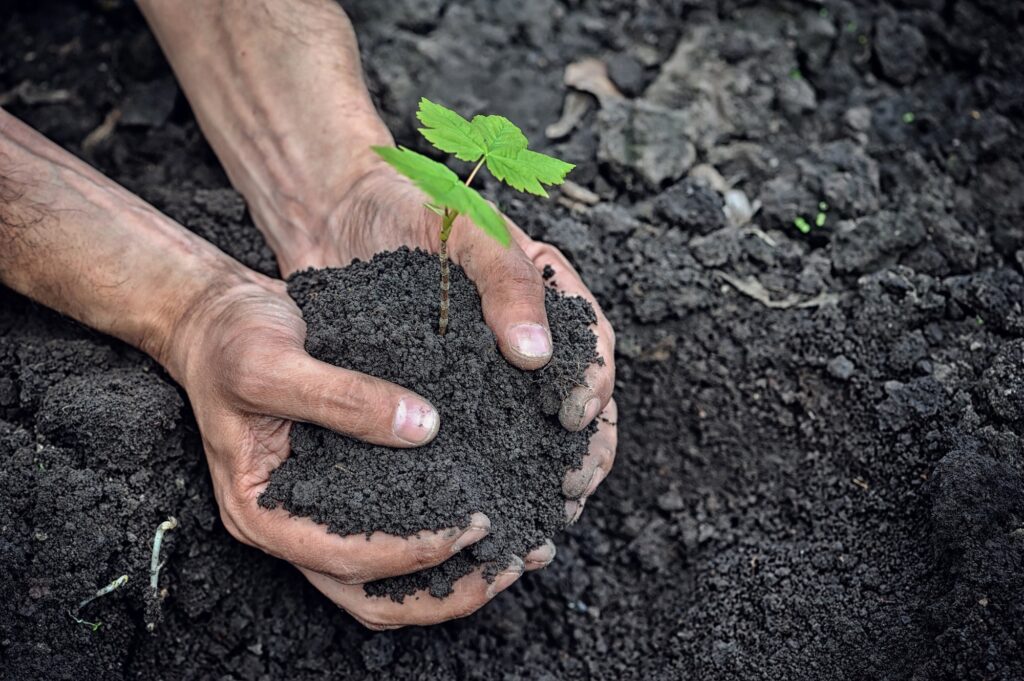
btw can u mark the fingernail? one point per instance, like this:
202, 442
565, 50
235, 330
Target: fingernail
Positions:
599, 475
479, 527
574, 509
506, 577
530, 340
579, 409
547, 551
416, 421
576, 483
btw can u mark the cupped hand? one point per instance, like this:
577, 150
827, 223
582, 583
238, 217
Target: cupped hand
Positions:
239, 355
382, 210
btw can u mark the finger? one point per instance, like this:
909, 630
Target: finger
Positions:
574, 509
468, 595
540, 557
599, 459
584, 402
352, 559
347, 402
511, 293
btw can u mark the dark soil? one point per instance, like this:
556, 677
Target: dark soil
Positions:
500, 450
820, 464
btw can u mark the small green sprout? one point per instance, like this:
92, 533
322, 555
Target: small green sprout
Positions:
819, 219
802, 224
493, 141
154, 561
109, 588
823, 13
909, 117
795, 74
94, 626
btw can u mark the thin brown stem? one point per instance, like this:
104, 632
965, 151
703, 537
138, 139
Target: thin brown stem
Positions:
476, 169
446, 230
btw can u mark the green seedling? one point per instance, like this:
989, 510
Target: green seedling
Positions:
802, 224
94, 626
109, 588
909, 117
492, 141
154, 561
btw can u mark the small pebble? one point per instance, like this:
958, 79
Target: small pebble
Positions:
840, 367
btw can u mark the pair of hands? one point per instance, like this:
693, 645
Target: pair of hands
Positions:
243, 364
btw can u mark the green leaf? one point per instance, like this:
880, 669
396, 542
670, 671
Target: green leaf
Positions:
528, 170
445, 189
510, 161
498, 141
450, 132
499, 135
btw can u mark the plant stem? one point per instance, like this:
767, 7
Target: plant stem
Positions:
113, 586
473, 174
154, 561
446, 231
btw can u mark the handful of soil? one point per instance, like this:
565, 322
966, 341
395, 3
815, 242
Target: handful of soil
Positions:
500, 449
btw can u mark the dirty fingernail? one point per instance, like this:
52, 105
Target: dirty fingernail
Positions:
542, 555
574, 509
506, 577
577, 482
416, 421
479, 526
530, 340
579, 409
599, 476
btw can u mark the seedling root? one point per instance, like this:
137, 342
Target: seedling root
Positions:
154, 563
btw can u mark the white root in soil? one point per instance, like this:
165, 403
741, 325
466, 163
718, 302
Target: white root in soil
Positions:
154, 562
113, 586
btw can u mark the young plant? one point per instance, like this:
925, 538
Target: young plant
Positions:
154, 560
805, 227
493, 141
109, 588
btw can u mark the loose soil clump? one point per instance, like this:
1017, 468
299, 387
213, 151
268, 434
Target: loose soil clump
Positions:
500, 449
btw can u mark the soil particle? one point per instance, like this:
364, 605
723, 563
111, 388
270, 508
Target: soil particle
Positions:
500, 449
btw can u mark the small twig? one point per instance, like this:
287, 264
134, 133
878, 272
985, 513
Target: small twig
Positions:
154, 562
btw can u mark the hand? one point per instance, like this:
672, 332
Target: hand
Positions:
240, 357
382, 210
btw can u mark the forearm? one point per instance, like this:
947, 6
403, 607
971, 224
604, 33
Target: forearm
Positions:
75, 241
278, 90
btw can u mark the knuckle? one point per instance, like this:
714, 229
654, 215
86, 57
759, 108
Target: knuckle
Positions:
518, 274
360, 401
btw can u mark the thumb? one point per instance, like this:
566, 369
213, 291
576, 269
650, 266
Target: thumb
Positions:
352, 403
511, 293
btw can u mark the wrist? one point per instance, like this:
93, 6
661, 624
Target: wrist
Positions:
173, 331
292, 199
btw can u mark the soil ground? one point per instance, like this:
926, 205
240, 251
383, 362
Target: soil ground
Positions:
820, 468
